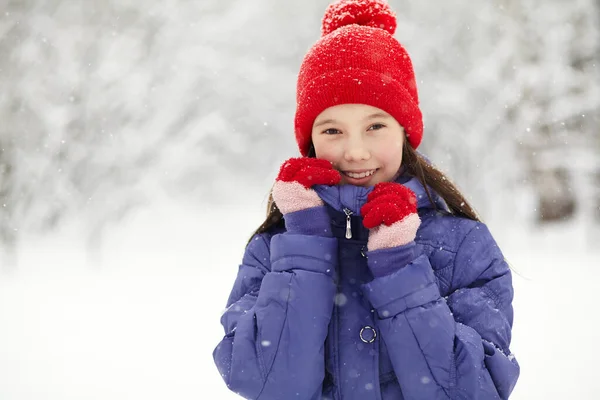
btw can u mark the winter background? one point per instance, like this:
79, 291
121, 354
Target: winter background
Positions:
139, 140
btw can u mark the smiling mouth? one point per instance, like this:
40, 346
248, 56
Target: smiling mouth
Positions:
359, 175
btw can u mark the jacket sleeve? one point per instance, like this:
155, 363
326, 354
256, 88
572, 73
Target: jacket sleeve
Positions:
455, 347
277, 318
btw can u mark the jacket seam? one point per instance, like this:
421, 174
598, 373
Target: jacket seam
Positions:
387, 377
264, 269
301, 256
425, 358
438, 275
336, 355
486, 290
436, 246
492, 295
410, 294
458, 249
267, 373
260, 355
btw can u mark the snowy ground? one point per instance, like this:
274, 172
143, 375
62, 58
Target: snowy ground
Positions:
142, 320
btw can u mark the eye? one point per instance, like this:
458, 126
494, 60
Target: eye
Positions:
376, 127
331, 131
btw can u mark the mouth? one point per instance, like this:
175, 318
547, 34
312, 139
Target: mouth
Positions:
359, 176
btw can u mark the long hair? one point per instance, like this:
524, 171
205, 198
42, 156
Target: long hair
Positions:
416, 166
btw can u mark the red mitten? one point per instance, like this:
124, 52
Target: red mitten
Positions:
391, 215
292, 190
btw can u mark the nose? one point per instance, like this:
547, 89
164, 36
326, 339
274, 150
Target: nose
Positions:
356, 150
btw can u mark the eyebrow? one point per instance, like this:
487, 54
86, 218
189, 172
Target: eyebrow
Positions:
372, 116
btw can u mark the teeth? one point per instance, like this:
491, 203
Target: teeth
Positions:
361, 175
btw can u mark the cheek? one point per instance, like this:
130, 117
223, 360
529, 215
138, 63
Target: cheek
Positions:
394, 144
327, 151
390, 152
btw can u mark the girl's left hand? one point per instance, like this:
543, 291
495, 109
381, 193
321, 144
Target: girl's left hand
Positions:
391, 215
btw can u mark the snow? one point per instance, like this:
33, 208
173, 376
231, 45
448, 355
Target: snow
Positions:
140, 317
142, 101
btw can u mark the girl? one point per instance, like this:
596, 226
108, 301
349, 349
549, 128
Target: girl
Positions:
371, 278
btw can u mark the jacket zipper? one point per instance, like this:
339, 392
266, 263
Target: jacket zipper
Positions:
348, 213
337, 380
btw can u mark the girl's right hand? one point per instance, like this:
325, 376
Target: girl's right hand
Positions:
292, 190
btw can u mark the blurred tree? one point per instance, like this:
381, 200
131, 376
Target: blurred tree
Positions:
557, 117
511, 101
109, 106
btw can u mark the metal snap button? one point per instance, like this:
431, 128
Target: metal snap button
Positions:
368, 334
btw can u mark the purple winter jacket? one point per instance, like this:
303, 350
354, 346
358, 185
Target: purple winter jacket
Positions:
307, 320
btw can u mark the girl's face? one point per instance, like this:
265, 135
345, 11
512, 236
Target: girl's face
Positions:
363, 142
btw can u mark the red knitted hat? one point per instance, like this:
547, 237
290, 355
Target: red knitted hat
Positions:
357, 60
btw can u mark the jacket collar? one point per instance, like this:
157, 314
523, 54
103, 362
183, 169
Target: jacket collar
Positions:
354, 197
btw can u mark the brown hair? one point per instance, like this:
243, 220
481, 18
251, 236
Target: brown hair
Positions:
415, 165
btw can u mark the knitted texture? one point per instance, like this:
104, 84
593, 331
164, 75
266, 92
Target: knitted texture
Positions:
357, 61
374, 13
292, 190
397, 234
391, 215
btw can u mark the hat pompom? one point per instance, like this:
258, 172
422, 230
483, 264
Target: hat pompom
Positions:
373, 13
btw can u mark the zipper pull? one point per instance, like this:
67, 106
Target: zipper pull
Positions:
348, 225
